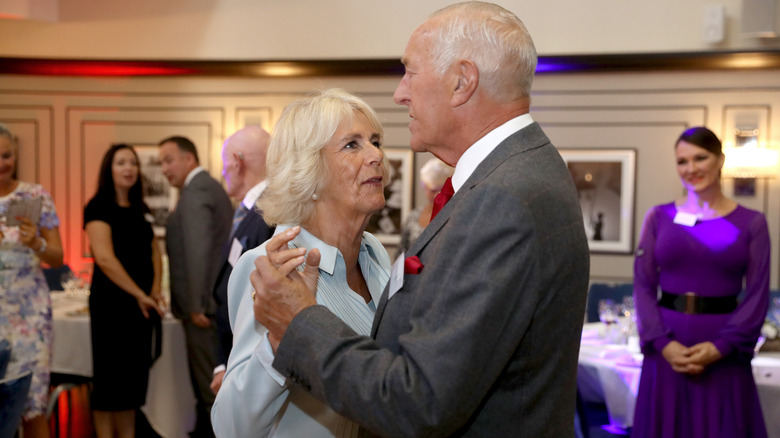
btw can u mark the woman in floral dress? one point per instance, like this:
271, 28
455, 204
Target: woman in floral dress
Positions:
25, 308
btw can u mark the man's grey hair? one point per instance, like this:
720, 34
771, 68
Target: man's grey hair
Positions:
491, 37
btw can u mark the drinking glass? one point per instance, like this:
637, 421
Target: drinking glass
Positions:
608, 316
68, 281
83, 282
626, 322
628, 302
607, 313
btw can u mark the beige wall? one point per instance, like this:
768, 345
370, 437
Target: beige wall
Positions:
647, 111
66, 124
346, 29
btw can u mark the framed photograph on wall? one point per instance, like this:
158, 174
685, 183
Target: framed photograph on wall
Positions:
158, 193
605, 181
386, 224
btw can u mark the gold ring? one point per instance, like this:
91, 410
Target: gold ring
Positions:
254, 293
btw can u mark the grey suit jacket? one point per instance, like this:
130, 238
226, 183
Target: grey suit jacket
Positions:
194, 236
484, 341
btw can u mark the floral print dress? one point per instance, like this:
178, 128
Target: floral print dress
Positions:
25, 307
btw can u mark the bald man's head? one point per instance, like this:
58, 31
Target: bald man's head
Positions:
243, 160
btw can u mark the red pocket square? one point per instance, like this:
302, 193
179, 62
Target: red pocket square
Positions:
413, 265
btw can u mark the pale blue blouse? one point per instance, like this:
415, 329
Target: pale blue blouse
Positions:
255, 400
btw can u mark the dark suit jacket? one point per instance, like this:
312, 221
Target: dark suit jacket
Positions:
484, 341
194, 236
251, 232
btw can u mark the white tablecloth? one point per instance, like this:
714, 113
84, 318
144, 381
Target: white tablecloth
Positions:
610, 374
170, 402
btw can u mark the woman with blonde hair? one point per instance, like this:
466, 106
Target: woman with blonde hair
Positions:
326, 177
25, 306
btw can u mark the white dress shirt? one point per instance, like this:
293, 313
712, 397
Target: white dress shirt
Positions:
475, 154
254, 194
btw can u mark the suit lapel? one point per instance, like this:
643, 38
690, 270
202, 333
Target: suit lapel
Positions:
186, 190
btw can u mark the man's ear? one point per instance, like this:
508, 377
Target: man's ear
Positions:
468, 81
240, 164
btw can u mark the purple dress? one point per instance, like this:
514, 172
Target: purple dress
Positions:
711, 258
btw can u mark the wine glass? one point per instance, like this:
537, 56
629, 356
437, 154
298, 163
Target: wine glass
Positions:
83, 282
69, 282
607, 312
607, 316
626, 320
628, 302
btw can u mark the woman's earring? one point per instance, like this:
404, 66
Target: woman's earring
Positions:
315, 196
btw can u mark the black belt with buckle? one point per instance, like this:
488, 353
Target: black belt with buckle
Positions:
692, 304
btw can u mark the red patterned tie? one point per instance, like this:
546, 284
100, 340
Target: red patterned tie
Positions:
444, 195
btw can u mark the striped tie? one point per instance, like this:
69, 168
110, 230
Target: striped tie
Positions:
238, 216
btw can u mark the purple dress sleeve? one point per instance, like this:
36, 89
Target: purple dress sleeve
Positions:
653, 333
744, 327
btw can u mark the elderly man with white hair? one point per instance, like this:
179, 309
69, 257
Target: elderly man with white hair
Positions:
478, 332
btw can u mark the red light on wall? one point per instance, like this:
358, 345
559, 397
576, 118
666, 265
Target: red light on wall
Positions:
94, 68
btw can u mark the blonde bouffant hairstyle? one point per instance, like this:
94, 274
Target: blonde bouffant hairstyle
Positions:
295, 166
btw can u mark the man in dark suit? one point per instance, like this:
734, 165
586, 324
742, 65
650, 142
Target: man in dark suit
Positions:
195, 233
478, 331
243, 166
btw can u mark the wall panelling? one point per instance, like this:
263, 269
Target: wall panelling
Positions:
66, 123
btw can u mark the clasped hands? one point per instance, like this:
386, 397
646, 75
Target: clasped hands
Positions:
282, 291
690, 360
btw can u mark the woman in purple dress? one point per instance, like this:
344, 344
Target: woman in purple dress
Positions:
700, 251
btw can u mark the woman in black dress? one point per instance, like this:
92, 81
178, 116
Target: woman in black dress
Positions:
125, 294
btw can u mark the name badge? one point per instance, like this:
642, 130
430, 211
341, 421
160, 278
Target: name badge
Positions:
687, 219
235, 252
396, 276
